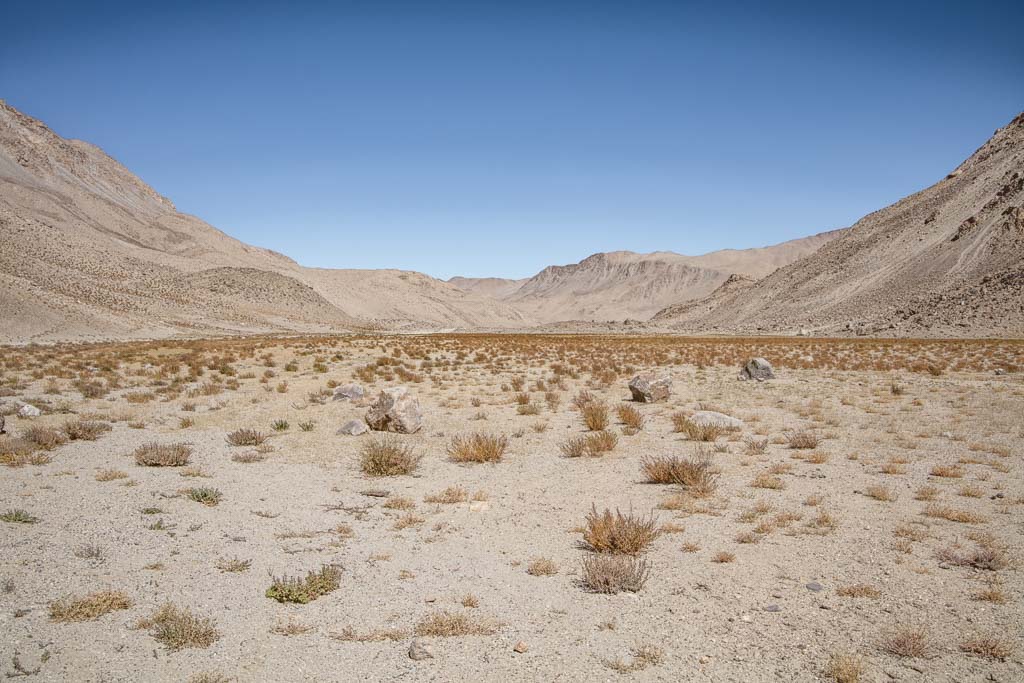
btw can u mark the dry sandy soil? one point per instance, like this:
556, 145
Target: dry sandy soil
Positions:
888, 551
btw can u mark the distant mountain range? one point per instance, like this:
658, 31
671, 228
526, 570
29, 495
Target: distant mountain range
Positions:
90, 252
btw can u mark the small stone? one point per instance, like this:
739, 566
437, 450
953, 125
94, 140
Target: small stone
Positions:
746, 618
815, 587
757, 368
521, 647
419, 650
776, 595
349, 392
28, 411
354, 428
772, 608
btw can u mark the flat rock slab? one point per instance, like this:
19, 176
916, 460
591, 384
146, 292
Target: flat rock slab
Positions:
354, 428
711, 418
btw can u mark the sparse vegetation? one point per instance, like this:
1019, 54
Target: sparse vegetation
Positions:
387, 456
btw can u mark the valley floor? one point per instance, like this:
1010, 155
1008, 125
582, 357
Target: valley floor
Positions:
864, 524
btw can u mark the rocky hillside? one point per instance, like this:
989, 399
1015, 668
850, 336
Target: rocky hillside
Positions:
90, 251
624, 285
946, 261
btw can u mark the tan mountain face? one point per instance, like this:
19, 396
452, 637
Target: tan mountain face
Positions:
946, 261
89, 251
623, 285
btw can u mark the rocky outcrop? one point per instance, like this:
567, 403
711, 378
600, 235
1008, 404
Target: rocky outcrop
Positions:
395, 410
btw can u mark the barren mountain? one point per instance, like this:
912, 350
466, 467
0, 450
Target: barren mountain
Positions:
625, 285
89, 251
494, 287
948, 260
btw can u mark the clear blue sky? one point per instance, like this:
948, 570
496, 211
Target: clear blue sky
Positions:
498, 138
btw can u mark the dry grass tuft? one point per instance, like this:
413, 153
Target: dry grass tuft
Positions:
802, 439
90, 607
614, 573
908, 641
387, 456
595, 415
163, 455
859, 590
85, 430
631, 417
706, 432
990, 646
451, 495
953, 514
178, 628
696, 474
445, 624
609, 532
845, 668
542, 566
246, 437
477, 447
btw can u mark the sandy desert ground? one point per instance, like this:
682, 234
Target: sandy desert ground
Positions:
863, 524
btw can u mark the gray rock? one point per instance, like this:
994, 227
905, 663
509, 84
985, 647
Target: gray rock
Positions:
815, 587
1000, 372
395, 410
354, 428
28, 411
349, 392
757, 368
709, 417
649, 388
419, 650
773, 608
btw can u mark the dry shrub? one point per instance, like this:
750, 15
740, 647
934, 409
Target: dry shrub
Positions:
248, 457
859, 590
85, 430
580, 400
305, 589
631, 417
44, 437
246, 437
163, 455
764, 480
542, 566
707, 432
695, 474
953, 514
477, 447
90, 607
947, 471
880, 492
908, 641
755, 445
387, 456
595, 415
614, 573
802, 439
110, 475
642, 657
19, 451
445, 624
723, 557
590, 444
987, 555
452, 494
845, 668
204, 494
609, 532
350, 635
178, 628
990, 646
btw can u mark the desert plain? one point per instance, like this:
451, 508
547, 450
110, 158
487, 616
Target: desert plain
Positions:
189, 511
